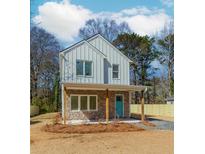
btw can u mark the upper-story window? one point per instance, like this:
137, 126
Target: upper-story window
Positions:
88, 68
79, 67
83, 68
115, 71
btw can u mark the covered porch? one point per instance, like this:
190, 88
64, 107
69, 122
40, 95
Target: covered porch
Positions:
108, 90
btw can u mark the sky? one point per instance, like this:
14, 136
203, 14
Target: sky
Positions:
64, 18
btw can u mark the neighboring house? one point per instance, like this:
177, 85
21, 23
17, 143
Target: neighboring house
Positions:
170, 100
95, 81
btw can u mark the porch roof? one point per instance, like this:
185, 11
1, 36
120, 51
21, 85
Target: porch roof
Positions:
111, 87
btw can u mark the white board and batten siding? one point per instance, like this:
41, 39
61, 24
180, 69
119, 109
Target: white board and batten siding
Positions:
114, 56
93, 50
82, 52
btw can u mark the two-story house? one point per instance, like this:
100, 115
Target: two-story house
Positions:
95, 81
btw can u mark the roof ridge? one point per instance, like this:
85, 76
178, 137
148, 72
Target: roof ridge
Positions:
92, 36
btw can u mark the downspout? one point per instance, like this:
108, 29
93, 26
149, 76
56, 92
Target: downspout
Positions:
61, 83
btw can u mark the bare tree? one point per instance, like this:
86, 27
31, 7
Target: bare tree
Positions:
166, 48
106, 27
43, 59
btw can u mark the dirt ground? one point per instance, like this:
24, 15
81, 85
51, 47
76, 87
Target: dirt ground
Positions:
140, 142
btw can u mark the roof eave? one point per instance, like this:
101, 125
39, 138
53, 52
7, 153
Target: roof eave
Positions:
111, 87
79, 43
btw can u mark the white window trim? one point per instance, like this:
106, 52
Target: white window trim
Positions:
87, 76
116, 71
88, 103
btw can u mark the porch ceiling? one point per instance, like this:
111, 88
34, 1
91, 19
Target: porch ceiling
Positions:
111, 87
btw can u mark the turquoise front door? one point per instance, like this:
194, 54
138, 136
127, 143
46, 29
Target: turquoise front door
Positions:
119, 106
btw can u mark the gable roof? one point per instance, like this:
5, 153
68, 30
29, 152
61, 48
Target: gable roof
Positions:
80, 43
95, 49
99, 35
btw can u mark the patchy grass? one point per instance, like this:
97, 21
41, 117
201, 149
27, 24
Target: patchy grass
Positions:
91, 128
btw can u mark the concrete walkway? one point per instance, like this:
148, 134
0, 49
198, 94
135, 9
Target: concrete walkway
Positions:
127, 120
160, 123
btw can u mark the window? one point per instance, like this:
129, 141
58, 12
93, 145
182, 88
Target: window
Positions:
119, 98
83, 103
74, 102
84, 68
88, 68
79, 67
115, 71
93, 104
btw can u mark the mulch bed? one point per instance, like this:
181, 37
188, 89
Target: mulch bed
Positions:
91, 128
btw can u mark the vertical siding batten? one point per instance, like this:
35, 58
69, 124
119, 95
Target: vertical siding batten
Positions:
86, 52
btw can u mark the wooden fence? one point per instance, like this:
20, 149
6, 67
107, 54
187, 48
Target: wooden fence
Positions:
34, 110
154, 109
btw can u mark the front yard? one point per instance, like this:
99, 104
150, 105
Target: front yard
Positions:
143, 142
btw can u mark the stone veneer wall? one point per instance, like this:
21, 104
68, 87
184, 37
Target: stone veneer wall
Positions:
100, 113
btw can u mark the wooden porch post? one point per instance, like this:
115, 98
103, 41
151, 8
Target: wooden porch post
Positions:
130, 101
65, 105
142, 106
107, 106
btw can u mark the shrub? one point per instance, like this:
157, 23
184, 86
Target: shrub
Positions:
36, 101
44, 108
44, 104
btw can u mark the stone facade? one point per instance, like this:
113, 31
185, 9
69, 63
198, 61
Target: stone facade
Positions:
101, 106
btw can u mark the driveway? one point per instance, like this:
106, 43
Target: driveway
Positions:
160, 124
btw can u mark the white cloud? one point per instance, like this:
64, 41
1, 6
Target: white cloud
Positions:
142, 21
65, 19
62, 19
168, 3
147, 24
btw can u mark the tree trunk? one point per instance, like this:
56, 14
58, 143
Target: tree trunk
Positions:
154, 90
169, 79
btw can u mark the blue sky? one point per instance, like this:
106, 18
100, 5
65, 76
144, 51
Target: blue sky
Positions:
111, 5
117, 5
64, 18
